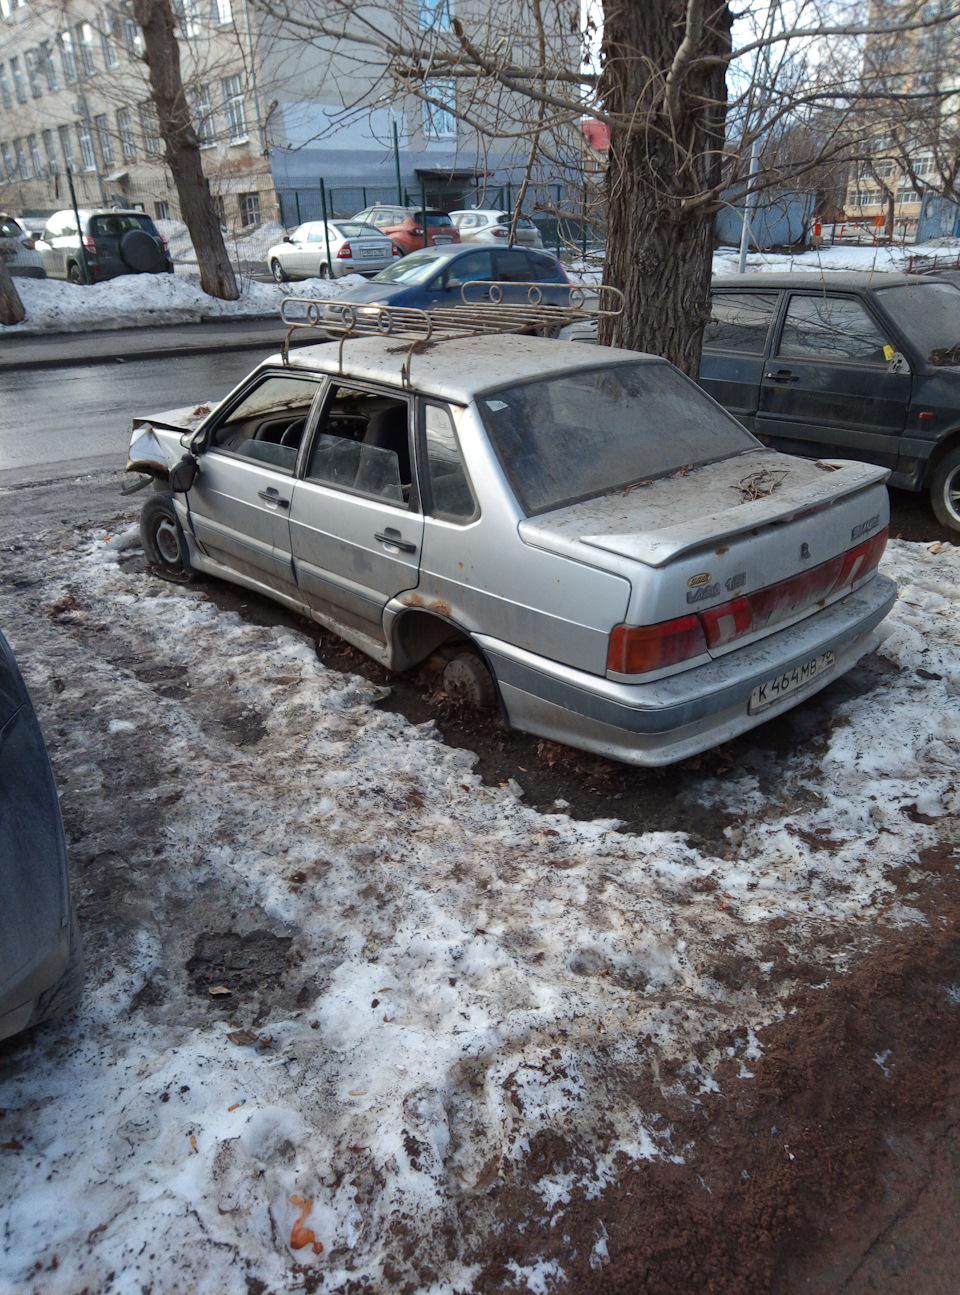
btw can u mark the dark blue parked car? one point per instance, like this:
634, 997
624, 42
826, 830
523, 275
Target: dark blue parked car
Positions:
855, 366
41, 969
435, 276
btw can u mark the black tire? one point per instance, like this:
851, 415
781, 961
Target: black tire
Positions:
141, 252
162, 538
467, 679
945, 490
65, 994
75, 274
325, 271
278, 272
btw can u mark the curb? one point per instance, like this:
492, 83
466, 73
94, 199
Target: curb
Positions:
57, 359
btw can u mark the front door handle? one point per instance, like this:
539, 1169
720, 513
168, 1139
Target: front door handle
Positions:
272, 496
783, 375
392, 537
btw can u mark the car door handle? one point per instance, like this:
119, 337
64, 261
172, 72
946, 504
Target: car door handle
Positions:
392, 537
272, 496
783, 375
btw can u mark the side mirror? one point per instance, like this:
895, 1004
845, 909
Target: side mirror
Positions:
184, 474
287, 238
453, 283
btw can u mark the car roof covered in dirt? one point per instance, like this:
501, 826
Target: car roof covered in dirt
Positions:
458, 369
839, 280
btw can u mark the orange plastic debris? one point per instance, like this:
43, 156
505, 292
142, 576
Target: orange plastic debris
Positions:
299, 1235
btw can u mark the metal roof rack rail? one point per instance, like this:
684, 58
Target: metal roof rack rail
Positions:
485, 309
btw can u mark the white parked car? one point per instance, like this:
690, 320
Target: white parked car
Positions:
21, 255
580, 536
494, 226
354, 248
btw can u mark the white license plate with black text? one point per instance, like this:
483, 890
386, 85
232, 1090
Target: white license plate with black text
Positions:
371, 251
440, 239
771, 691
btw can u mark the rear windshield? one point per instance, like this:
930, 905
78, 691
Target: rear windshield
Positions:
117, 224
355, 229
433, 218
573, 437
929, 315
505, 218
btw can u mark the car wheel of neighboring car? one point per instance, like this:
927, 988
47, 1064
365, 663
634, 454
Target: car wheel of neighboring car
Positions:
278, 272
75, 274
467, 679
140, 252
945, 491
325, 271
162, 538
59, 998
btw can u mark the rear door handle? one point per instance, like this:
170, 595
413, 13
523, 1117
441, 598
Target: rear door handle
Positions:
783, 375
272, 496
392, 537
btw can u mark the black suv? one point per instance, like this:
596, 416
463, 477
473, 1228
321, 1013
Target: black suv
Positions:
857, 366
115, 242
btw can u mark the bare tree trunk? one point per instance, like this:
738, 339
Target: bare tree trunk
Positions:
182, 147
666, 146
11, 307
889, 223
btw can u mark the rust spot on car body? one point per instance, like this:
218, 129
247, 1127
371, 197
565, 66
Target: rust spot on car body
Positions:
441, 608
412, 600
150, 466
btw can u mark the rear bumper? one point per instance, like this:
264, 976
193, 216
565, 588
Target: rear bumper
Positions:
670, 719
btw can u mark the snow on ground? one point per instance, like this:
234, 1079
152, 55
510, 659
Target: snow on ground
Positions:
146, 300
243, 247
473, 971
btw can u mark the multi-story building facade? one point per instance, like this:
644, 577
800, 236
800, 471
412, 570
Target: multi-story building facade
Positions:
276, 113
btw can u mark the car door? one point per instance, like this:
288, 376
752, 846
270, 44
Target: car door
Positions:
293, 256
355, 522
734, 344
239, 505
53, 253
445, 288
834, 383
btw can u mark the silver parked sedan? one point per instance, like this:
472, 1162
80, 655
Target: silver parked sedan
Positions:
481, 226
513, 506
354, 248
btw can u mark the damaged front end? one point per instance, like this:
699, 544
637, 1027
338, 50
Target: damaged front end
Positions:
157, 445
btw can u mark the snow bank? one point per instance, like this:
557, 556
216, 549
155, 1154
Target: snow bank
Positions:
243, 247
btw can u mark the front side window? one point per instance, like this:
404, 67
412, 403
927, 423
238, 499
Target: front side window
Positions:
363, 446
473, 268
268, 423
569, 438
234, 108
831, 328
450, 493
740, 321
439, 110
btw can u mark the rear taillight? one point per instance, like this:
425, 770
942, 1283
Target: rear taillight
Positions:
639, 649
417, 229
497, 232
636, 649
163, 243
345, 252
89, 243
397, 251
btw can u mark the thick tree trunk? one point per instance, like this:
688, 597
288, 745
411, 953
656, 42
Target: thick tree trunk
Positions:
11, 307
182, 147
666, 147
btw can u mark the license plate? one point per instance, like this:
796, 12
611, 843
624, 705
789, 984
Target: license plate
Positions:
371, 251
778, 687
439, 239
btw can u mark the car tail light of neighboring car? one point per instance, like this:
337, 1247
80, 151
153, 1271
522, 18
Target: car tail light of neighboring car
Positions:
638, 649
498, 231
397, 251
89, 242
345, 252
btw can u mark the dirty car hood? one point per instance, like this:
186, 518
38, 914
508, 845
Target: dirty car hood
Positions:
656, 522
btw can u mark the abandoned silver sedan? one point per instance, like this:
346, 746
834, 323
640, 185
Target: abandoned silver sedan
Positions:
587, 539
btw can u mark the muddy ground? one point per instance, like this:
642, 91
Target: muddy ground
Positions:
828, 1170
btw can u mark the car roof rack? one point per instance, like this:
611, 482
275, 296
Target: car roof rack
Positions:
505, 308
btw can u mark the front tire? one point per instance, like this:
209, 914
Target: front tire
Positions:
162, 538
945, 491
278, 272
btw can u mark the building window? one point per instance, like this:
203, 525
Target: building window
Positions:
18, 82
5, 93
435, 14
220, 209
250, 209
107, 44
9, 165
103, 135
49, 67
189, 12
34, 145
199, 99
50, 151
66, 148
222, 11
23, 166
439, 121
132, 38
161, 210
128, 144
84, 35
32, 59
86, 146
68, 59
150, 126
234, 108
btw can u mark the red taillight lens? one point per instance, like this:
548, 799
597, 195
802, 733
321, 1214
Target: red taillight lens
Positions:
89, 243
397, 251
344, 252
497, 232
163, 243
635, 649
417, 229
860, 561
728, 622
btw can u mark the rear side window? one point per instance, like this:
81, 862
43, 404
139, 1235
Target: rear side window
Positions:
542, 267
740, 321
514, 267
831, 328
449, 488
